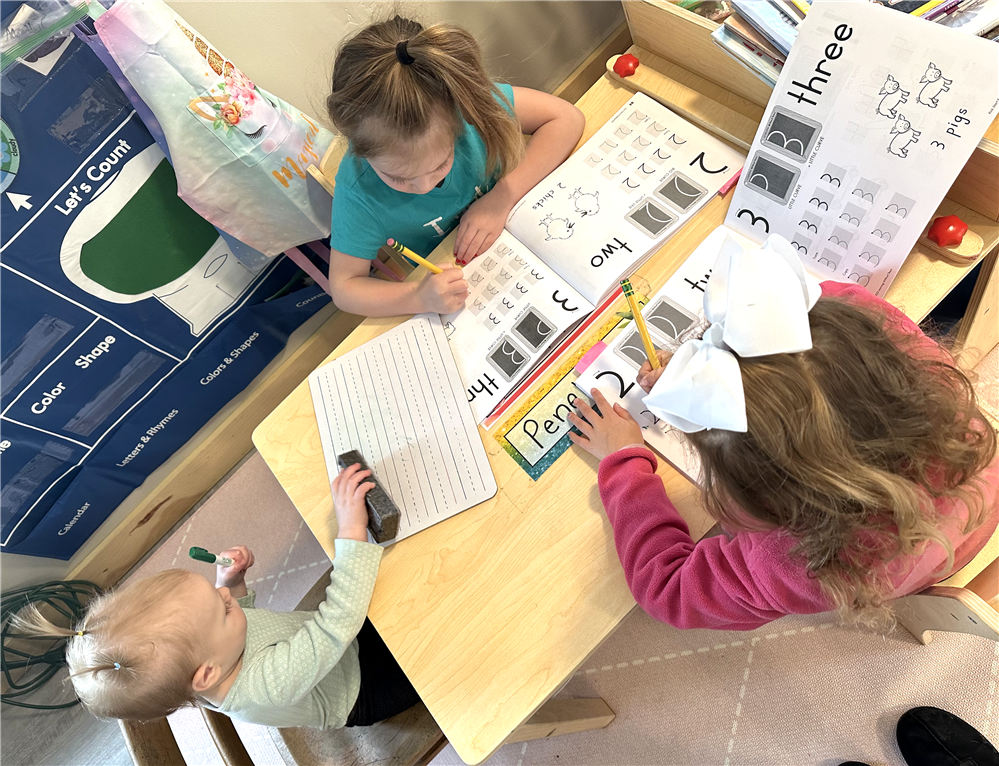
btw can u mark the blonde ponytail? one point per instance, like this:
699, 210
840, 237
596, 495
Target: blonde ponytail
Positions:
394, 80
30, 623
133, 655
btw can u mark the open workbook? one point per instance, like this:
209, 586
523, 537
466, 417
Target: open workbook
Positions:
677, 308
569, 242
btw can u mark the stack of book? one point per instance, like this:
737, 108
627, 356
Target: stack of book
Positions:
760, 33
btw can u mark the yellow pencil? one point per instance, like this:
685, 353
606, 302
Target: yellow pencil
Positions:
650, 350
397, 245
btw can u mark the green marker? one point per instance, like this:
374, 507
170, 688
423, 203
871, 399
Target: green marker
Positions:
200, 554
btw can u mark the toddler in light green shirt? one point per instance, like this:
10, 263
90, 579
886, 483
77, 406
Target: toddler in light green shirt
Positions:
172, 640
298, 668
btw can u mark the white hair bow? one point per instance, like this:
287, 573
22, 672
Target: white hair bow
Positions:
757, 301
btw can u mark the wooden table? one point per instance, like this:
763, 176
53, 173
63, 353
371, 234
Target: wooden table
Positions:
490, 612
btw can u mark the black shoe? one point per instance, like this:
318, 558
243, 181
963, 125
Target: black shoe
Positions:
929, 736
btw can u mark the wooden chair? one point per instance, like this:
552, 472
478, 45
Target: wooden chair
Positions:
411, 738
966, 602
151, 743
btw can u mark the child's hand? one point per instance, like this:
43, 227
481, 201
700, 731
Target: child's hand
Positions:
443, 293
647, 377
481, 224
233, 576
348, 503
606, 433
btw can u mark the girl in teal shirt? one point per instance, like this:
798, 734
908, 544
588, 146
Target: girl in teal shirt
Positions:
434, 144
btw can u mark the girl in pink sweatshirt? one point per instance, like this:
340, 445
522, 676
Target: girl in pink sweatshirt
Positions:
864, 471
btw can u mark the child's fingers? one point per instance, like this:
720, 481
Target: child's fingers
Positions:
238, 554
461, 242
585, 410
585, 428
624, 414
599, 400
476, 245
579, 439
487, 242
343, 478
356, 478
650, 380
363, 489
344, 474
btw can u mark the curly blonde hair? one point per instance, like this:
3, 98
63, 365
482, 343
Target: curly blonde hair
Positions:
381, 105
134, 654
849, 445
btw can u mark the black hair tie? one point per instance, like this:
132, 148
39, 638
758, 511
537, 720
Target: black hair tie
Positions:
402, 54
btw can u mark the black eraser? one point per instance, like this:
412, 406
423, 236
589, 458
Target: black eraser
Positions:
383, 514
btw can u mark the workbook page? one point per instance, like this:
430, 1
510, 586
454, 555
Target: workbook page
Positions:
676, 308
873, 117
516, 311
627, 190
398, 401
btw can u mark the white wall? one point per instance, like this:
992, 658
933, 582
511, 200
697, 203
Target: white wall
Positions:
287, 47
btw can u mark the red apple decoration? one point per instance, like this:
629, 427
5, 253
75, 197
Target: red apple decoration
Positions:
947, 230
625, 65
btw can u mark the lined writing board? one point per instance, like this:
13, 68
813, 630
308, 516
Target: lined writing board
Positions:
400, 402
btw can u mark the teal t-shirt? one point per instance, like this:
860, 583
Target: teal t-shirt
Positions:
366, 211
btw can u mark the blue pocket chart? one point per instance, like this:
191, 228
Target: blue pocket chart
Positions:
127, 322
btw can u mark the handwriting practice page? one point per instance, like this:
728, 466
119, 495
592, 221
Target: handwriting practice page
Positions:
873, 117
398, 400
517, 309
673, 310
627, 190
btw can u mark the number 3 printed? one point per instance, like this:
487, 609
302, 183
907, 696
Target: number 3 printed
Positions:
755, 219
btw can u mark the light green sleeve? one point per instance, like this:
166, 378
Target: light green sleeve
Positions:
287, 671
249, 601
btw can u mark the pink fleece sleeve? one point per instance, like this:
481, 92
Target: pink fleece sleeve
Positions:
736, 584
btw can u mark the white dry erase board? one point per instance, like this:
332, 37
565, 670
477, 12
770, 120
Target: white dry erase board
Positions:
398, 400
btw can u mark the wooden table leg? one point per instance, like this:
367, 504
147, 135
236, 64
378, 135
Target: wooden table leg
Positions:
979, 328
561, 716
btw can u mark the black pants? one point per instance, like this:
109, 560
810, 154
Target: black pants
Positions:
385, 690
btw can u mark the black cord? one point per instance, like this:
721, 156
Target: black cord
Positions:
33, 670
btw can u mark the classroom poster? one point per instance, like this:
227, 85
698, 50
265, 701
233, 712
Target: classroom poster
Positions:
875, 114
127, 322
